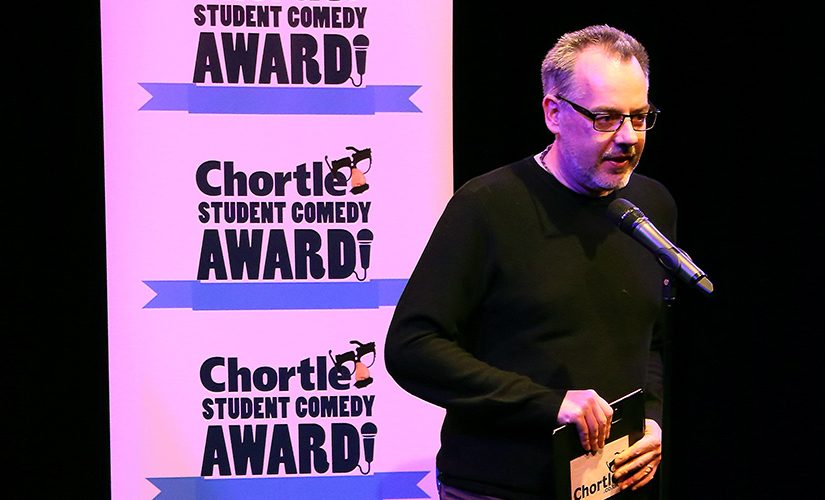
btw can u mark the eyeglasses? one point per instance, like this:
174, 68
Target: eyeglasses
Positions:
612, 121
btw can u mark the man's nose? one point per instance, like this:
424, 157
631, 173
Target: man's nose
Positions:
626, 134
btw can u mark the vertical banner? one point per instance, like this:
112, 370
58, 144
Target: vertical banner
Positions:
273, 171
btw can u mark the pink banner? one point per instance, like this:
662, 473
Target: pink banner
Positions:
273, 171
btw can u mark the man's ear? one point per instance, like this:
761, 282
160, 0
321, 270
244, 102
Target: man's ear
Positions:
550, 105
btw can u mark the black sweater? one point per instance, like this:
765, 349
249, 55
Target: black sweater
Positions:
525, 290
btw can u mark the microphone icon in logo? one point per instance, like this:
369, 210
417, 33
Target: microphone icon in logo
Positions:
368, 432
360, 44
364, 238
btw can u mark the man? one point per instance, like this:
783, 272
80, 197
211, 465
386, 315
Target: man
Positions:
529, 309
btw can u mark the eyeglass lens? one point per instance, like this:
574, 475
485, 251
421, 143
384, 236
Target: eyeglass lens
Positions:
612, 122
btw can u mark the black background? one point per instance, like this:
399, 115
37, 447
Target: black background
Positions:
734, 143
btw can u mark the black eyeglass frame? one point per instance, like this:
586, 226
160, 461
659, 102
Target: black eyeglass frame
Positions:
653, 112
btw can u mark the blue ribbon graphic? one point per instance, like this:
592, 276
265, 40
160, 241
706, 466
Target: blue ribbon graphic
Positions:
280, 100
379, 486
246, 296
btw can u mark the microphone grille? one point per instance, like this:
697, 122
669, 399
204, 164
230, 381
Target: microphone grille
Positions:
364, 235
361, 42
624, 213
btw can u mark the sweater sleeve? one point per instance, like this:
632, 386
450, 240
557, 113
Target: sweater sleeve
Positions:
428, 349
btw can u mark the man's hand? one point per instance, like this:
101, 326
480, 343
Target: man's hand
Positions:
591, 414
636, 466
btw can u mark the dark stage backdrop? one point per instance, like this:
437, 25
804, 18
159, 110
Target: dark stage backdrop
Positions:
734, 145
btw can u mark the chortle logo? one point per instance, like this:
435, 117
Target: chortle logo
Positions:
356, 174
284, 421
357, 362
611, 466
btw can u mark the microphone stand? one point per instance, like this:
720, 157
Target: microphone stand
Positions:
669, 298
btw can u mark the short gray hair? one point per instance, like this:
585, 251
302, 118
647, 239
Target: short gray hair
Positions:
557, 67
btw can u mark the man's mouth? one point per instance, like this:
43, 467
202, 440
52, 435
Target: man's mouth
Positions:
621, 157
619, 160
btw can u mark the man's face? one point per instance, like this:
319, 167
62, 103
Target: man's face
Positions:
589, 161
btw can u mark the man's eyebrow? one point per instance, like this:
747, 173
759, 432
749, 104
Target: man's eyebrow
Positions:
608, 109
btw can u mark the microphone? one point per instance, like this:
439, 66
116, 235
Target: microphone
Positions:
360, 44
364, 237
632, 221
368, 431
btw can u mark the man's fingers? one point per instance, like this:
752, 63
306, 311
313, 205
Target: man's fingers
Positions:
608, 414
595, 424
591, 414
585, 431
643, 477
604, 414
